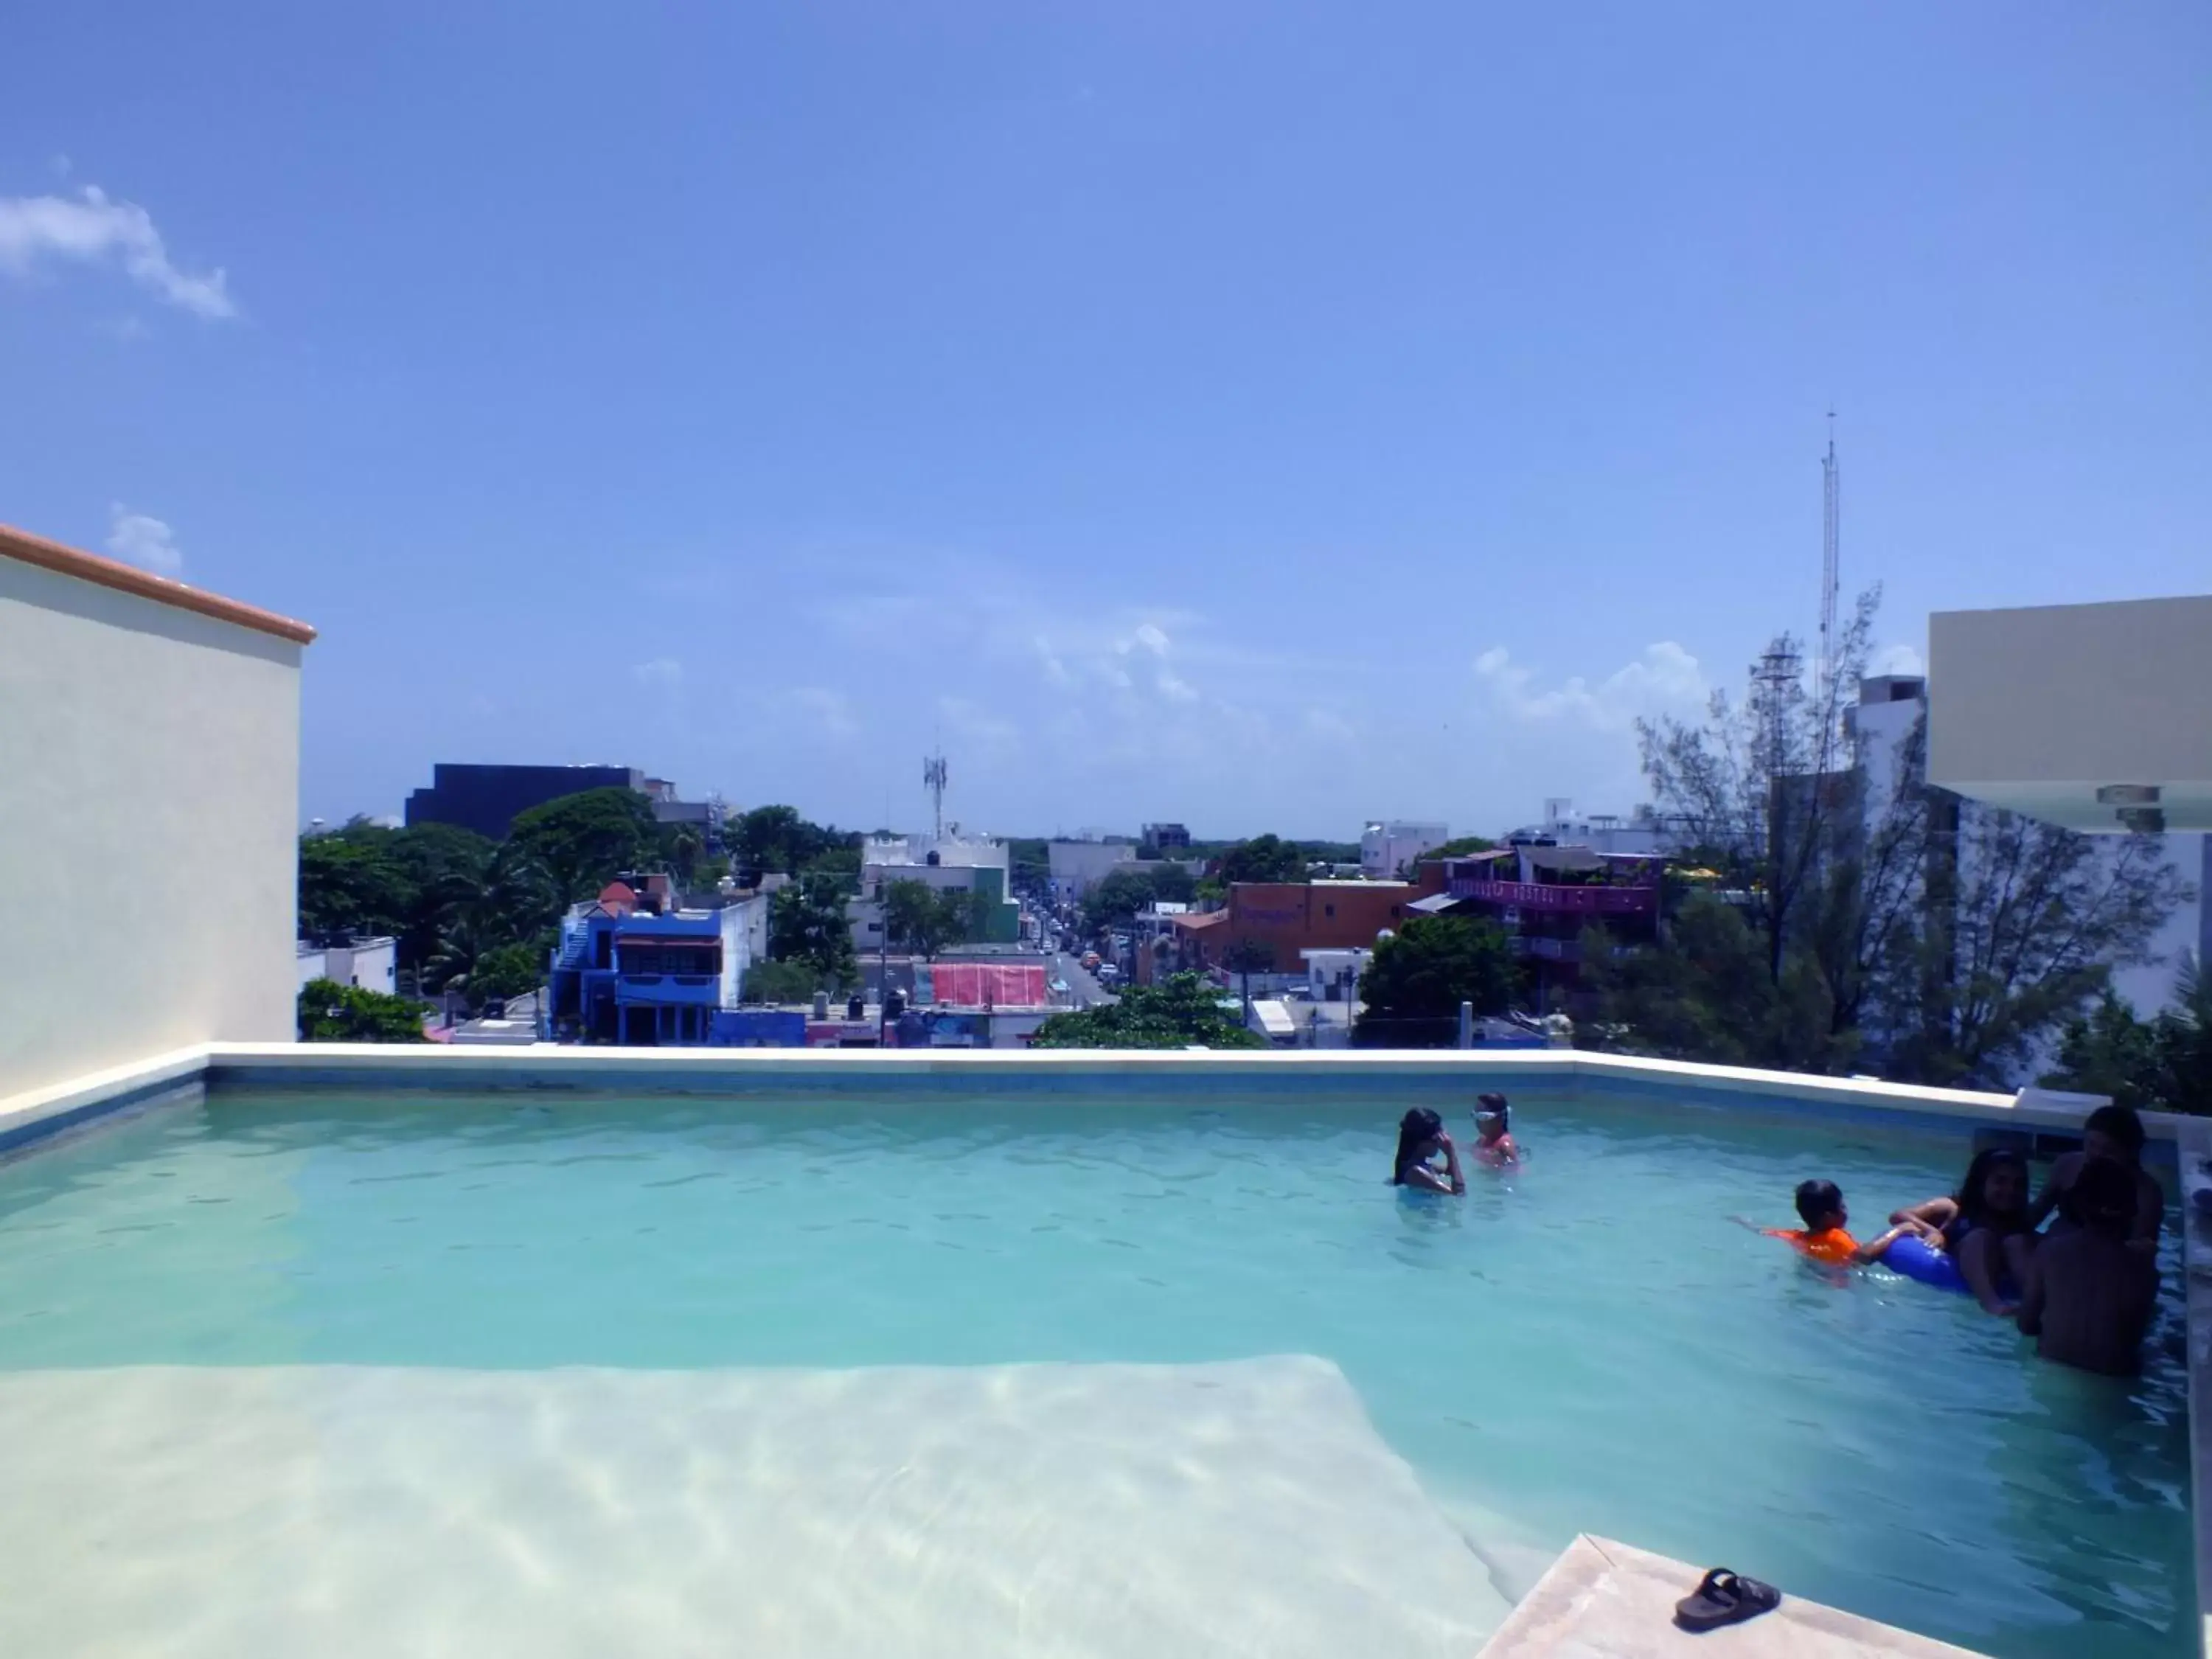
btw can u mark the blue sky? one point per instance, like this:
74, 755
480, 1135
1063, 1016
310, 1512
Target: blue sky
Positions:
1259, 415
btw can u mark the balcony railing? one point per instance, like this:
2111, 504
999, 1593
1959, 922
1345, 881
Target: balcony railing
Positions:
1591, 901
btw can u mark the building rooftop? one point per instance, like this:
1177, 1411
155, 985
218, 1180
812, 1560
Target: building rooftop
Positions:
94, 567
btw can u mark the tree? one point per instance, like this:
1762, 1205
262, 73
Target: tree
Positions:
508, 971
1172, 885
2161, 1064
806, 922
1245, 957
920, 918
1030, 864
1116, 900
683, 849
1263, 858
1937, 938
331, 1013
1417, 978
1464, 846
1183, 1011
1706, 997
778, 841
350, 883
1766, 783
582, 841
2108, 1051
2016, 935
781, 982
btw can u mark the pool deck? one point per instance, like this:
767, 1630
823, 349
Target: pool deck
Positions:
1603, 1599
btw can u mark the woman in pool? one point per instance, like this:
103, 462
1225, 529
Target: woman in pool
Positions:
1494, 1148
1420, 1137
1983, 1226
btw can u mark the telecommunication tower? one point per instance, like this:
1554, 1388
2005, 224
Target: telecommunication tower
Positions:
933, 779
1831, 507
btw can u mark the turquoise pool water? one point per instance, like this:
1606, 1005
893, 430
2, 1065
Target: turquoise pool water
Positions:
1586, 1345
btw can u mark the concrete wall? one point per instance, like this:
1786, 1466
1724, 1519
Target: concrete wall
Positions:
148, 817
2037, 708
1078, 866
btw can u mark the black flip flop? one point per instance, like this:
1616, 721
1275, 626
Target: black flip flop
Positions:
1725, 1599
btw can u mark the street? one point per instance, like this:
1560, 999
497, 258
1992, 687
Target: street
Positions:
1086, 990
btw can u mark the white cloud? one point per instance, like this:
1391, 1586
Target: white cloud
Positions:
1055, 671
143, 540
832, 712
1896, 660
1148, 641
1329, 726
661, 674
90, 228
1664, 677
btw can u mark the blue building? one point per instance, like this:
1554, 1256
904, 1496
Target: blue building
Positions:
629, 972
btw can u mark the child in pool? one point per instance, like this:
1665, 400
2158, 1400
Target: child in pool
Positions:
1984, 1226
1494, 1148
1825, 1236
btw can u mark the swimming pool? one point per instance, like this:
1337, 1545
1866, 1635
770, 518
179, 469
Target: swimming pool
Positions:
546, 1334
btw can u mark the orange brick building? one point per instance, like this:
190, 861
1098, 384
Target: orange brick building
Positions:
1289, 917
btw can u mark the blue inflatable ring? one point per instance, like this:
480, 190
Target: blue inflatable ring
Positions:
1915, 1259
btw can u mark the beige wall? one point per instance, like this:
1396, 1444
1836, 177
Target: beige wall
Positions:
2037, 708
148, 811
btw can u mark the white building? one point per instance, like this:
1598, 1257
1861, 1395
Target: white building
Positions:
1077, 867
1387, 847
118, 689
1333, 975
2095, 717
973, 864
1641, 834
371, 964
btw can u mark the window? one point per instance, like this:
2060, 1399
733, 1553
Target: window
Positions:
1328, 909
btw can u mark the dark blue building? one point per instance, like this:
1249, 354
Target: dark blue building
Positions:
487, 799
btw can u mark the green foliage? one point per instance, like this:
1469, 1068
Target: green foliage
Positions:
1116, 899
2159, 1065
777, 841
1461, 847
1418, 979
366, 880
1030, 864
781, 982
806, 923
582, 841
1708, 997
1937, 940
920, 918
1264, 858
1173, 885
508, 971
1181, 1011
1327, 852
331, 1013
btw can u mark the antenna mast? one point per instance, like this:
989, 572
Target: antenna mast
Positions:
1831, 505
933, 779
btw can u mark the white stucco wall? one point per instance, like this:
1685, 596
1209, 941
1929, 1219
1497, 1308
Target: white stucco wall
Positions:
148, 808
2035, 709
